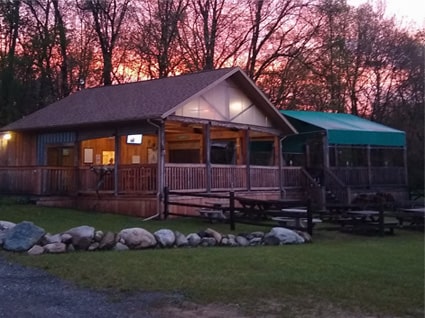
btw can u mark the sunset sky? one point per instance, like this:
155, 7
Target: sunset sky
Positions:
406, 11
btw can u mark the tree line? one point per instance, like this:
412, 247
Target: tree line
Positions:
319, 55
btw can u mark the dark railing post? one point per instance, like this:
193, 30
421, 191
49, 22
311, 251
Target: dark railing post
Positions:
232, 210
166, 200
309, 218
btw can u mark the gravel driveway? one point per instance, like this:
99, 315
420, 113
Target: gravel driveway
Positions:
29, 292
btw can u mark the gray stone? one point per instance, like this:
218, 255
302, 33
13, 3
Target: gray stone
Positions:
93, 246
70, 248
108, 241
82, 236
66, 238
5, 225
225, 241
242, 241
256, 241
307, 237
120, 247
271, 240
258, 234
232, 240
194, 239
55, 248
49, 238
213, 233
165, 237
36, 250
22, 237
208, 241
285, 236
98, 235
181, 240
137, 238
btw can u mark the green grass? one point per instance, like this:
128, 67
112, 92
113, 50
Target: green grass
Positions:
377, 275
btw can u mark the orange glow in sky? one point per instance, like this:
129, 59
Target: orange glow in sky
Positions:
405, 11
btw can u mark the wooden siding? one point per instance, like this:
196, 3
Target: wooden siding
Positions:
18, 151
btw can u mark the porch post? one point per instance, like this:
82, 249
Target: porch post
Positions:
247, 158
116, 161
280, 163
161, 158
369, 166
325, 159
406, 177
207, 154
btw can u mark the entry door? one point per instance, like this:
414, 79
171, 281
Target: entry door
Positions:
60, 156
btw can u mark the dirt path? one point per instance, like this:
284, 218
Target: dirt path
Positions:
33, 293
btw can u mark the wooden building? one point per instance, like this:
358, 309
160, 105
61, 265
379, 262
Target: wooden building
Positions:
115, 148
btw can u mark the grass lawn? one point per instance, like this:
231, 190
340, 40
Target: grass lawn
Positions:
382, 276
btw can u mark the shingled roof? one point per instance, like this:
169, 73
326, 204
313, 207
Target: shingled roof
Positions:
130, 102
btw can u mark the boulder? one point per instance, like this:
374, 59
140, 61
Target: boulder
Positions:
82, 236
93, 246
213, 233
36, 250
66, 238
242, 241
55, 248
285, 236
271, 240
120, 247
5, 225
181, 240
165, 237
208, 241
194, 239
255, 241
22, 237
137, 238
49, 238
98, 235
108, 241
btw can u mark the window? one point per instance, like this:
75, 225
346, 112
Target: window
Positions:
223, 152
261, 153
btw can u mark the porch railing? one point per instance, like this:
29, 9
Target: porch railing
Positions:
225, 177
363, 176
337, 187
264, 177
185, 176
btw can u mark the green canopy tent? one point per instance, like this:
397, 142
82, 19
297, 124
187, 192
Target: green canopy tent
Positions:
335, 139
342, 129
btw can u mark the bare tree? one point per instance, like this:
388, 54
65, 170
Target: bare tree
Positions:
108, 18
157, 34
9, 30
213, 34
63, 45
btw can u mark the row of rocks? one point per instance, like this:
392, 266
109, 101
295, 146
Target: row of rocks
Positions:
30, 238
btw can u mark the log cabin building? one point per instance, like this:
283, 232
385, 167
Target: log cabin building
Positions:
115, 148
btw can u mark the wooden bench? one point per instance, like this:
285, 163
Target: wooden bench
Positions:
212, 214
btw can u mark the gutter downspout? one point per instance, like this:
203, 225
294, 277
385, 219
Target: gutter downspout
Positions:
159, 174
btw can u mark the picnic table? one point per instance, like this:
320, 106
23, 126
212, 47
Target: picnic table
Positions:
415, 216
367, 220
294, 218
